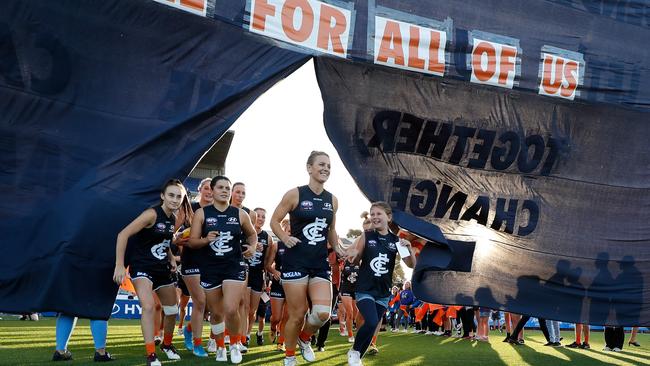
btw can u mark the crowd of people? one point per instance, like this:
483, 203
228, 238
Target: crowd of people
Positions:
214, 252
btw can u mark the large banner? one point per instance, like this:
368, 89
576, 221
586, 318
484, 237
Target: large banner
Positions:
524, 138
511, 135
100, 103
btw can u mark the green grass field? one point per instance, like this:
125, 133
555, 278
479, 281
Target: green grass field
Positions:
32, 343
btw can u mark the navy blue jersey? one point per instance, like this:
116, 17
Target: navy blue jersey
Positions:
279, 255
349, 275
256, 262
225, 250
310, 222
149, 246
195, 206
377, 264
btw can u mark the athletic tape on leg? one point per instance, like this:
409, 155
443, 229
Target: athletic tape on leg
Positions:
170, 309
218, 328
313, 317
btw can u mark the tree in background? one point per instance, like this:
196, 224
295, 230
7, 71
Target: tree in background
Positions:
353, 233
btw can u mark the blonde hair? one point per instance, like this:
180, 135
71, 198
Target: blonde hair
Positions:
313, 155
384, 206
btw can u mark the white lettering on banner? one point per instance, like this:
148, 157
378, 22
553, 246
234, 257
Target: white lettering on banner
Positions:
493, 63
197, 7
559, 76
308, 23
409, 47
132, 309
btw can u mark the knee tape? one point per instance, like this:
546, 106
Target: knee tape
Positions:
313, 317
218, 328
170, 310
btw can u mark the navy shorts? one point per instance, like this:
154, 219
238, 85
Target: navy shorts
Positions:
256, 280
187, 270
159, 277
213, 278
276, 289
261, 309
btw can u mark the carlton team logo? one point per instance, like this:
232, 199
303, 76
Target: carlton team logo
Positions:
160, 250
220, 244
314, 231
378, 265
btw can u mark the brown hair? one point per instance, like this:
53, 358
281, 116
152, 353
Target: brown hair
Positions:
186, 206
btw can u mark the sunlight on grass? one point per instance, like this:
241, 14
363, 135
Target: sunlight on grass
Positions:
32, 343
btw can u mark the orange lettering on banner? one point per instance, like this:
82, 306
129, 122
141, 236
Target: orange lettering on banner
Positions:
392, 35
261, 10
551, 83
506, 63
477, 54
327, 31
414, 46
434, 47
570, 75
194, 4
289, 12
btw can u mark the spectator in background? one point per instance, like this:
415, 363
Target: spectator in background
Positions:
65, 325
393, 309
632, 341
406, 300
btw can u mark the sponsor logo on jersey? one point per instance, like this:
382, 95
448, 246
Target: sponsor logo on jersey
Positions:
392, 246
220, 245
292, 274
139, 274
327, 206
206, 284
160, 250
307, 205
378, 264
160, 226
372, 243
211, 221
314, 231
192, 270
232, 220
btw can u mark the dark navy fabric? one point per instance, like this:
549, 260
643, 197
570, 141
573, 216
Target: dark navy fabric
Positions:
225, 251
149, 247
310, 222
100, 104
377, 264
349, 275
551, 195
